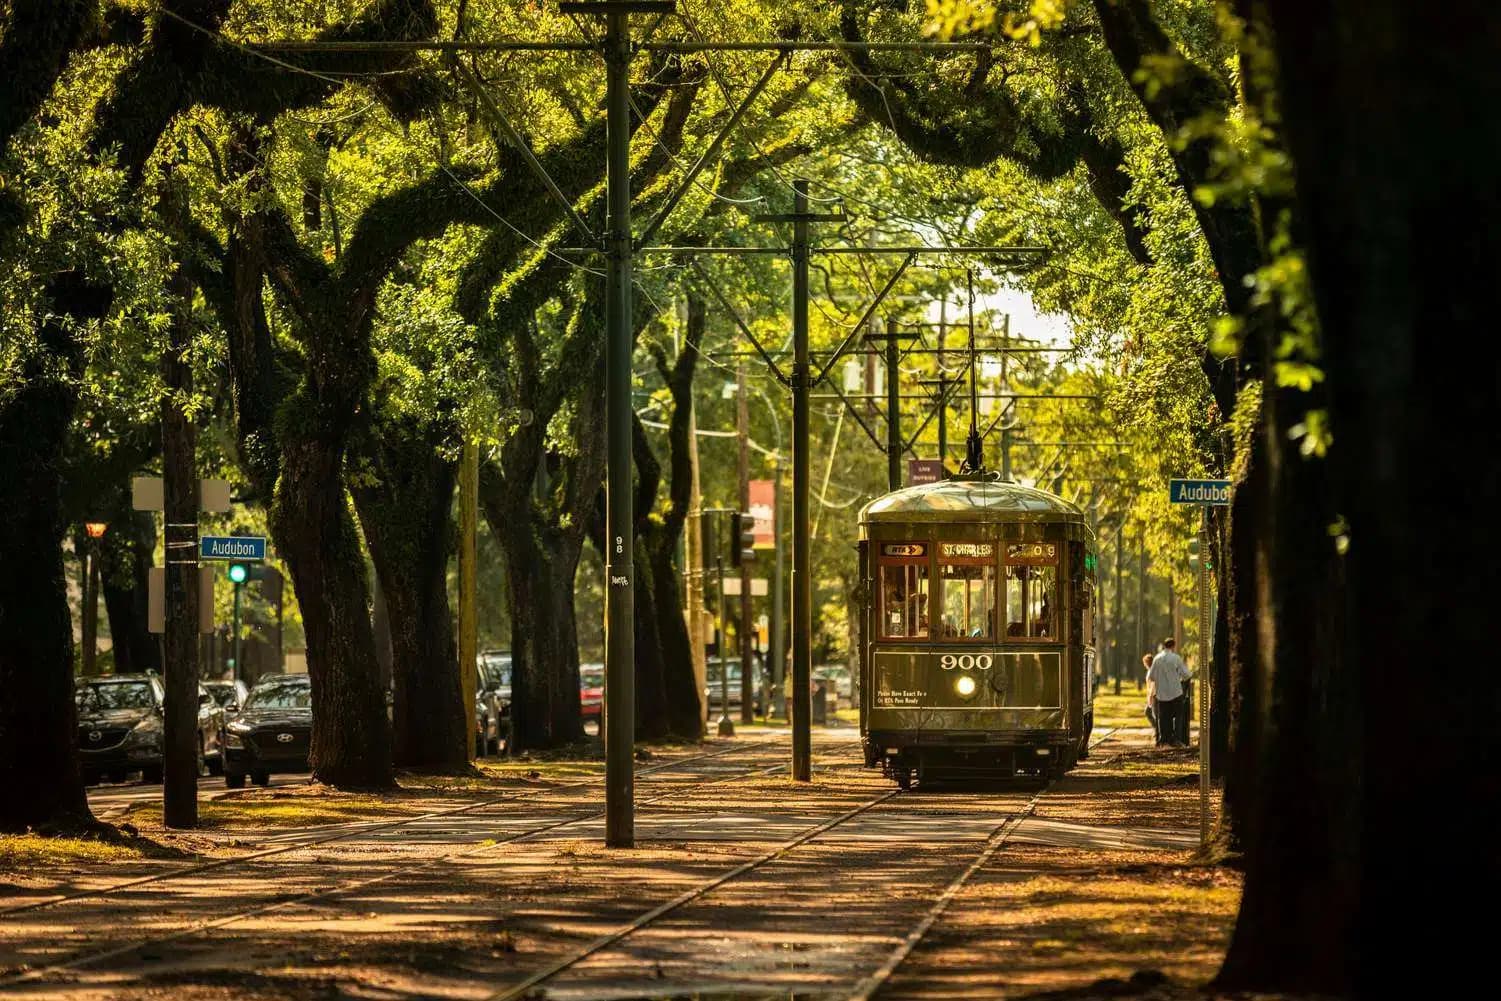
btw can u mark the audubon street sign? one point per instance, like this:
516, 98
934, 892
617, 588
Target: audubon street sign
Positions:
232, 547
1214, 493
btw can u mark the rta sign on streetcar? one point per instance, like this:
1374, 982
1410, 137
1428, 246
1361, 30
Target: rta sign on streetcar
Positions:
1214, 493
240, 548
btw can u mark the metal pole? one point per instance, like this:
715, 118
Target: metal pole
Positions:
90, 606
943, 423
620, 640
1204, 673
1117, 661
469, 592
778, 599
180, 549
234, 636
746, 634
1141, 606
726, 727
1005, 388
802, 596
894, 416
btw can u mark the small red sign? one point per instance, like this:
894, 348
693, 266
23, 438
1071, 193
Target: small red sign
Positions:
925, 471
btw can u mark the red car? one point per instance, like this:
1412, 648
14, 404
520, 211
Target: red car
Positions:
591, 689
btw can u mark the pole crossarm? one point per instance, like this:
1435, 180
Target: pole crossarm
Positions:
864, 319
496, 115
710, 154
745, 329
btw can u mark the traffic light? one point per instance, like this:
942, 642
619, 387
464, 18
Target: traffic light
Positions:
1193, 555
239, 573
742, 538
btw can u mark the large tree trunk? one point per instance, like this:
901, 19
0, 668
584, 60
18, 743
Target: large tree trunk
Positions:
315, 532
38, 720
127, 555
684, 710
652, 719
541, 563
1387, 143
406, 518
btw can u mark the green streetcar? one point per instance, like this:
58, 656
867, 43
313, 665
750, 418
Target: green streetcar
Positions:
976, 632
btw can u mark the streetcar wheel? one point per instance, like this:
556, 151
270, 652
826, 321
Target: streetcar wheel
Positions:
903, 778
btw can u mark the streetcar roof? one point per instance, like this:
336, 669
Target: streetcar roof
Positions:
969, 499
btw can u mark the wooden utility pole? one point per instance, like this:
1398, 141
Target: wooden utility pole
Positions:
693, 570
747, 633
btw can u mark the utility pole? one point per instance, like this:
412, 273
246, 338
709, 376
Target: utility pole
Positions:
1116, 617
746, 633
1009, 404
469, 589
180, 536
777, 650
1141, 605
802, 594
620, 613
893, 415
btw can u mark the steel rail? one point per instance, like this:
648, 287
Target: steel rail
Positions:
349, 830
868, 987
523, 989
90, 959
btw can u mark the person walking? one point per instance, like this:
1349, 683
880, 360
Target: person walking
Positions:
1166, 676
1146, 667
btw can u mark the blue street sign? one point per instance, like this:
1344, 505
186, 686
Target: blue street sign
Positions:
1214, 493
251, 548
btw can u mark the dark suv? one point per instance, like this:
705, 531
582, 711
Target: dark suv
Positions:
272, 731
120, 727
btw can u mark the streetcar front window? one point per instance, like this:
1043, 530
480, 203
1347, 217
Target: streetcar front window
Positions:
904, 600
968, 597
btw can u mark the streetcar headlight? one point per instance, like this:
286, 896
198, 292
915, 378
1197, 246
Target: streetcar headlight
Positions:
964, 685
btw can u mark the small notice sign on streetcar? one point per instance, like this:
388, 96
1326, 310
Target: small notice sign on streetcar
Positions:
1215, 493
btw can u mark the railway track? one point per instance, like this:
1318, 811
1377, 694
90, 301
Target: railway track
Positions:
339, 832
86, 959
869, 985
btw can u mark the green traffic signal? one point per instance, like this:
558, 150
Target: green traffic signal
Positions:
239, 573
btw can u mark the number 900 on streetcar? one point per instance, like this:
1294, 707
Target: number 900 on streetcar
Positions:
976, 631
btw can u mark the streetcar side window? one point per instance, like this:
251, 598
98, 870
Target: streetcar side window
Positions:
904, 600
1032, 592
969, 600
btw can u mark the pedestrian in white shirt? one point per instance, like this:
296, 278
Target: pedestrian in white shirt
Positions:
1166, 675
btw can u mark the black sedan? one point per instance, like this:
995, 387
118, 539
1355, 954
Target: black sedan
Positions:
272, 731
120, 727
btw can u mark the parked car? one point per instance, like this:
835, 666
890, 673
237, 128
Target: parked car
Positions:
493, 693
230, 695
591, 690
841, 685
712, 686
120, 727
272, 731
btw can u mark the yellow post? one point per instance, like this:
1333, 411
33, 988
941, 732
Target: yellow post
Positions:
468, 584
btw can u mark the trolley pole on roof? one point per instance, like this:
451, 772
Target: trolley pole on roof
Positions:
802, 595
620, 640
